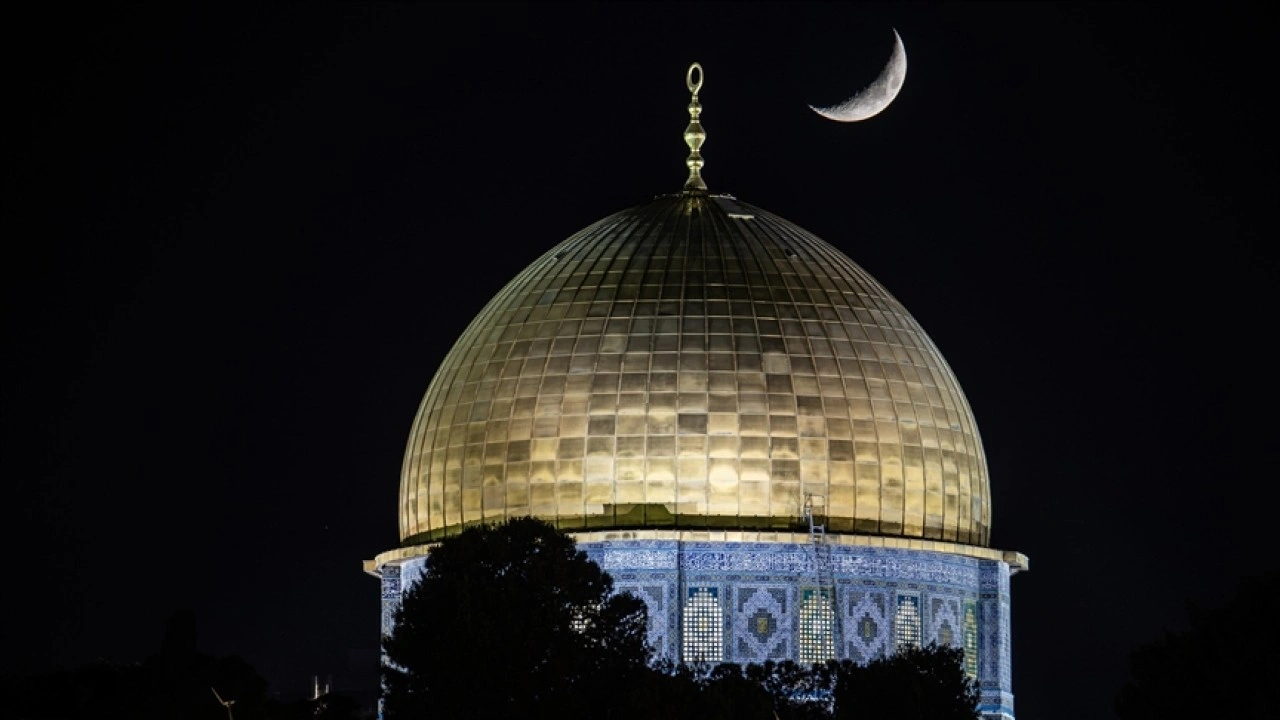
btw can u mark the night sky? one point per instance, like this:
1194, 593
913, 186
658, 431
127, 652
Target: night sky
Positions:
238, 241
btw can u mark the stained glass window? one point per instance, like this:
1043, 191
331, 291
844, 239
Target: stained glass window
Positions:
906, 622
817, 618
971, 639
703, 625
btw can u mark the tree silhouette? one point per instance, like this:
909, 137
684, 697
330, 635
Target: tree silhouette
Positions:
513, 621
1224, 665
926, 683
172, 684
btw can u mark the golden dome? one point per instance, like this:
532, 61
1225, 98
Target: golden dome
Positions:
696, 363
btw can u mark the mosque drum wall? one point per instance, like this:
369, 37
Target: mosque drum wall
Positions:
749, 602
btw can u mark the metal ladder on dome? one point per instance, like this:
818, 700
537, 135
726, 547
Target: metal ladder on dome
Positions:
823, 571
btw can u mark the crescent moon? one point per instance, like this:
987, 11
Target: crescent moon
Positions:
876, 96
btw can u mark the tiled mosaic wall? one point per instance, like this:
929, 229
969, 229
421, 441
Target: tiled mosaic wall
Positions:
884, 598
751, 602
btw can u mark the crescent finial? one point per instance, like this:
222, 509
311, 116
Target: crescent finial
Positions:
694, 86
694, 135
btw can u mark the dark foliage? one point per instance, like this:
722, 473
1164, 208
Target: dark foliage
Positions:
915, 684
179, 682
729, 692
176, 682
1223, 665
513, 621
797, 692
771, 691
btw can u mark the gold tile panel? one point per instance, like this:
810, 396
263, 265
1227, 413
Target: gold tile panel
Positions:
671, 366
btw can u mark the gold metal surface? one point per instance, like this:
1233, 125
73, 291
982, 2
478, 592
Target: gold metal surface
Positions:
1016, 561
696, 363
694, 135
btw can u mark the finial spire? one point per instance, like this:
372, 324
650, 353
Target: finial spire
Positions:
694, 135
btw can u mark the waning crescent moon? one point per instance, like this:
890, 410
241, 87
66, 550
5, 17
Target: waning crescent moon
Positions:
876, 96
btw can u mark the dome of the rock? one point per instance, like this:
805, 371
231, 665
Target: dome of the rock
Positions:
737, 423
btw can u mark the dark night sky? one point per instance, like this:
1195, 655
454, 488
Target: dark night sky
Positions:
237, 242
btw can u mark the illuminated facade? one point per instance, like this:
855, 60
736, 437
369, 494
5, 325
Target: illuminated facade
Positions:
740, 425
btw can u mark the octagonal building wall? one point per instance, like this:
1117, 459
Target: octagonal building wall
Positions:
750, 602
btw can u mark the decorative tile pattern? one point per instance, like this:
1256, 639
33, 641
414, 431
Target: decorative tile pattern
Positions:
994, 661
654, 597
390, 598
391, 583
763, 624
887, 564
944, 622
863, 562
411, 571
744, 602
639, 559
760, 627
866, 625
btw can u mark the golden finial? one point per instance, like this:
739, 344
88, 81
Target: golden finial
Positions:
694, 135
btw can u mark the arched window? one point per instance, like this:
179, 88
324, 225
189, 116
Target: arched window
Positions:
817, 618
906, 622
971, 639
703, 626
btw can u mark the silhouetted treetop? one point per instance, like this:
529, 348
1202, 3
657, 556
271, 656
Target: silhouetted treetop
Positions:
1225, 664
